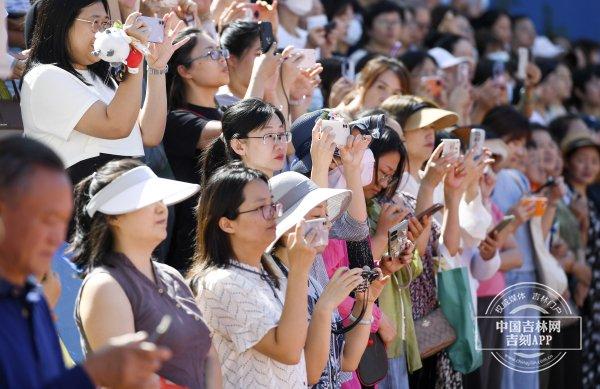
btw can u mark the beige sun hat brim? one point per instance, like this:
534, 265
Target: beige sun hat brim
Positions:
437, 118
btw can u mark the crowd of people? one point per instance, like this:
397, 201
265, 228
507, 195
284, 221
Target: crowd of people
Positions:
279, 193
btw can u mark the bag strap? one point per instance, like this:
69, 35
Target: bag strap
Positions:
410, 278
17, 90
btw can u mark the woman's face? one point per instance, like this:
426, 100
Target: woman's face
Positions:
524, 33
427, 69
242, 66
592, 92
267, 155
384, 174
205, 71
547, 149
533, 166
147, 225
561, 82
502, 29
250, 226
81, 35
584, 165
386, 29
386, 85
517, 154
420, 144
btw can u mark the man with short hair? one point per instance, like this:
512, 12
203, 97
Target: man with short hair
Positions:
35, 209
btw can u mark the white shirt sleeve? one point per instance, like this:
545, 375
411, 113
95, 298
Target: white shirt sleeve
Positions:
482, 269
230, 307
58, 100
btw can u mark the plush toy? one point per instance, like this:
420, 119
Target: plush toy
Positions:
115, 46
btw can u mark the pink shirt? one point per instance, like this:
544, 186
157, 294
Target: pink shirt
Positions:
496, 284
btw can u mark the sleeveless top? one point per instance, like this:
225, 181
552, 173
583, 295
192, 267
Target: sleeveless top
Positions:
187, 337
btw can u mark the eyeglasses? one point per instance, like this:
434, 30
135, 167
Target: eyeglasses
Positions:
269, 212
385, 179
273, 138
214, 54
98, 25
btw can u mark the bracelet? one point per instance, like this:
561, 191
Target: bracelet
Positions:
157, 72
297, 102
363, 322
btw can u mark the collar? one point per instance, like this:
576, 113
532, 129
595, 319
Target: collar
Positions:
31, 291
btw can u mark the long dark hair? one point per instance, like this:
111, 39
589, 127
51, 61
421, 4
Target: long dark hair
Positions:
221, 197
388, 142
50, 43
93, 239
175, 85
238, 121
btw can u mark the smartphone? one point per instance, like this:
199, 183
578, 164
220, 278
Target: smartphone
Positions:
451, 148
463, 73
266, 36
498, 73
433, 84
430, 211
320, 227
505, 222
523, 54
316, 21
309, 58
348, 70
161, 329
340, 129
397, 238
157, 28
476, 141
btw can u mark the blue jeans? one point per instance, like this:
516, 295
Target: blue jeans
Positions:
512, 379
397, 376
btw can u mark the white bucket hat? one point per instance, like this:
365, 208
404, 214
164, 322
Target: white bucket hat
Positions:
299, 195
136, 189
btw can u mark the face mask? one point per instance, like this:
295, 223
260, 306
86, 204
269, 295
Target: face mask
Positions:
299, 7
354, 32
499, 56
336, 177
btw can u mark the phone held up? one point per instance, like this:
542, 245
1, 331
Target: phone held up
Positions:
397, 238
267, 39
320, 228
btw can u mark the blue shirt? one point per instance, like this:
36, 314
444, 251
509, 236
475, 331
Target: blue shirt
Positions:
511, 185
30, 354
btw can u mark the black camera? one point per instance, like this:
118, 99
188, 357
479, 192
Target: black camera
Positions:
369, 274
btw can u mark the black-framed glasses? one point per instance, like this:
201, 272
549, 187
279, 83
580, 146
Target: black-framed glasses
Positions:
269, 212
273, 138
98, 25
213, 54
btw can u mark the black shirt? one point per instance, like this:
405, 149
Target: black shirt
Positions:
182, 134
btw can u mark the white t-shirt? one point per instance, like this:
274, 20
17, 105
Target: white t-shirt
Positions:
239, 308
286, 39
52, 103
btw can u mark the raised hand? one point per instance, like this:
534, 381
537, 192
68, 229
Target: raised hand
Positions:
354, 150
340, 285
391, 265
436, 168
301, 248
160, 53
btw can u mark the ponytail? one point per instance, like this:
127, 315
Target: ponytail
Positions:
216, 155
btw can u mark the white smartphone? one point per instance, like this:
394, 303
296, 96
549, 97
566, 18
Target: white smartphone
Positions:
522, 65
157, 28
340, 129
348, 70
320, 227
397, 238
476, 141
309, 58
463, 73
316, 22
451, 148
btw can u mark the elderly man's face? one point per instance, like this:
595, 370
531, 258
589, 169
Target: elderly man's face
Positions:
35, 217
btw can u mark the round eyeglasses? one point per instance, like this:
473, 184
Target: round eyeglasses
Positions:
269, 212
214, 54
98, 25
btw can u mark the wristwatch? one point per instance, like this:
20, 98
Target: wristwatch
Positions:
157, 72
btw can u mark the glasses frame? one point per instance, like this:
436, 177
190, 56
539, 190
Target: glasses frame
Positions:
287, 134
108, 23
275, 208
219, 53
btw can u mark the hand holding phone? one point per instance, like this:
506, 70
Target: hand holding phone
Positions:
451, 148
319, 226
430, 211
397, 238
476, 141
505, 222
267, 39
340, 130
309, 58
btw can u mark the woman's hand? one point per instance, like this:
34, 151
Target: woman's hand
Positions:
235, 11
340, 285
307, 81
136, 28
579, 207
187, 8
522, 211
455, 179
488, 247
160, 53
375, 288
391, 265
268, 13
436, 168
301, 248
416, 227
322, 146
353, 152
339, 90
390, 215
